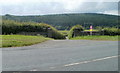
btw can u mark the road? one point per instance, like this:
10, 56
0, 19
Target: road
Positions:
62, 55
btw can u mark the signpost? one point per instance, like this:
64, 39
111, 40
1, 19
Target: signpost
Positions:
91, 30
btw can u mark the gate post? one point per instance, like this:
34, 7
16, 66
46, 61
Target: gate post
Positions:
49, 31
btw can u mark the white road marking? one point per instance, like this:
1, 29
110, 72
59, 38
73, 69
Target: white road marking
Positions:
77, 63
33, 70
90, 61
52, 67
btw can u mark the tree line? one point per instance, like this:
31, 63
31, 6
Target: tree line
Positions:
66, 21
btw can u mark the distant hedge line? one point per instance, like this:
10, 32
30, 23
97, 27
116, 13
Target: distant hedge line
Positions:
110, 31
14, 27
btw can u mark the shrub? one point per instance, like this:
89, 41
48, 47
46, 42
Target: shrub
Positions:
71, 32
111, 31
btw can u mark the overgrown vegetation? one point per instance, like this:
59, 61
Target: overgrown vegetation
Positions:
110, 31
14, 27
21, 40
71, 32
107, 33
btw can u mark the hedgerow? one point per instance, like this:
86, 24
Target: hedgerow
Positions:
71, 32
111, 31
14, 27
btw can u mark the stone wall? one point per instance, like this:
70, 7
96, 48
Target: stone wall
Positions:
46, 34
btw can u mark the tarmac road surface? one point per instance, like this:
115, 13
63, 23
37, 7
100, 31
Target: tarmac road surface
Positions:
62, 55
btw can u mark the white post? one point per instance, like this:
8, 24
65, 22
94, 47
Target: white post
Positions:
90, 32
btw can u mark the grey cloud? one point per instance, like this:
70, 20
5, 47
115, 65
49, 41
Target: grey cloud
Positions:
42, 8
95, 7
56, 7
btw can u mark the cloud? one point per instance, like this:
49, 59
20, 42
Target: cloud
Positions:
41, 7
62, 1
96, 7
35, 9
112, 12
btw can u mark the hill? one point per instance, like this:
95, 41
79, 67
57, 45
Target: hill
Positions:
66, 21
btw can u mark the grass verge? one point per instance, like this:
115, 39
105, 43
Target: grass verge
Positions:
109, 38
21, 40
92, 30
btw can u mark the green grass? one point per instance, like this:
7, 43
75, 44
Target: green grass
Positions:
92, 30
21, 40
109, 38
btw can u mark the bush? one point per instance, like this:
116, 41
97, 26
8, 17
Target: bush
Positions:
10, 26
71, 32
111, 31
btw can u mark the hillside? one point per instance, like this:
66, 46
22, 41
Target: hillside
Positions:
66, 21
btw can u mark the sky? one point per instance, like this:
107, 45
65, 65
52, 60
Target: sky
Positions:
45, 7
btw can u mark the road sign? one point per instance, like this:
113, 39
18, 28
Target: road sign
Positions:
91, 30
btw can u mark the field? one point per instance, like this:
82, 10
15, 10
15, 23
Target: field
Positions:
21, 40
92, 30
110, 38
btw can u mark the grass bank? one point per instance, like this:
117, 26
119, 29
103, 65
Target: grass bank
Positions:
109, 38
21, 40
